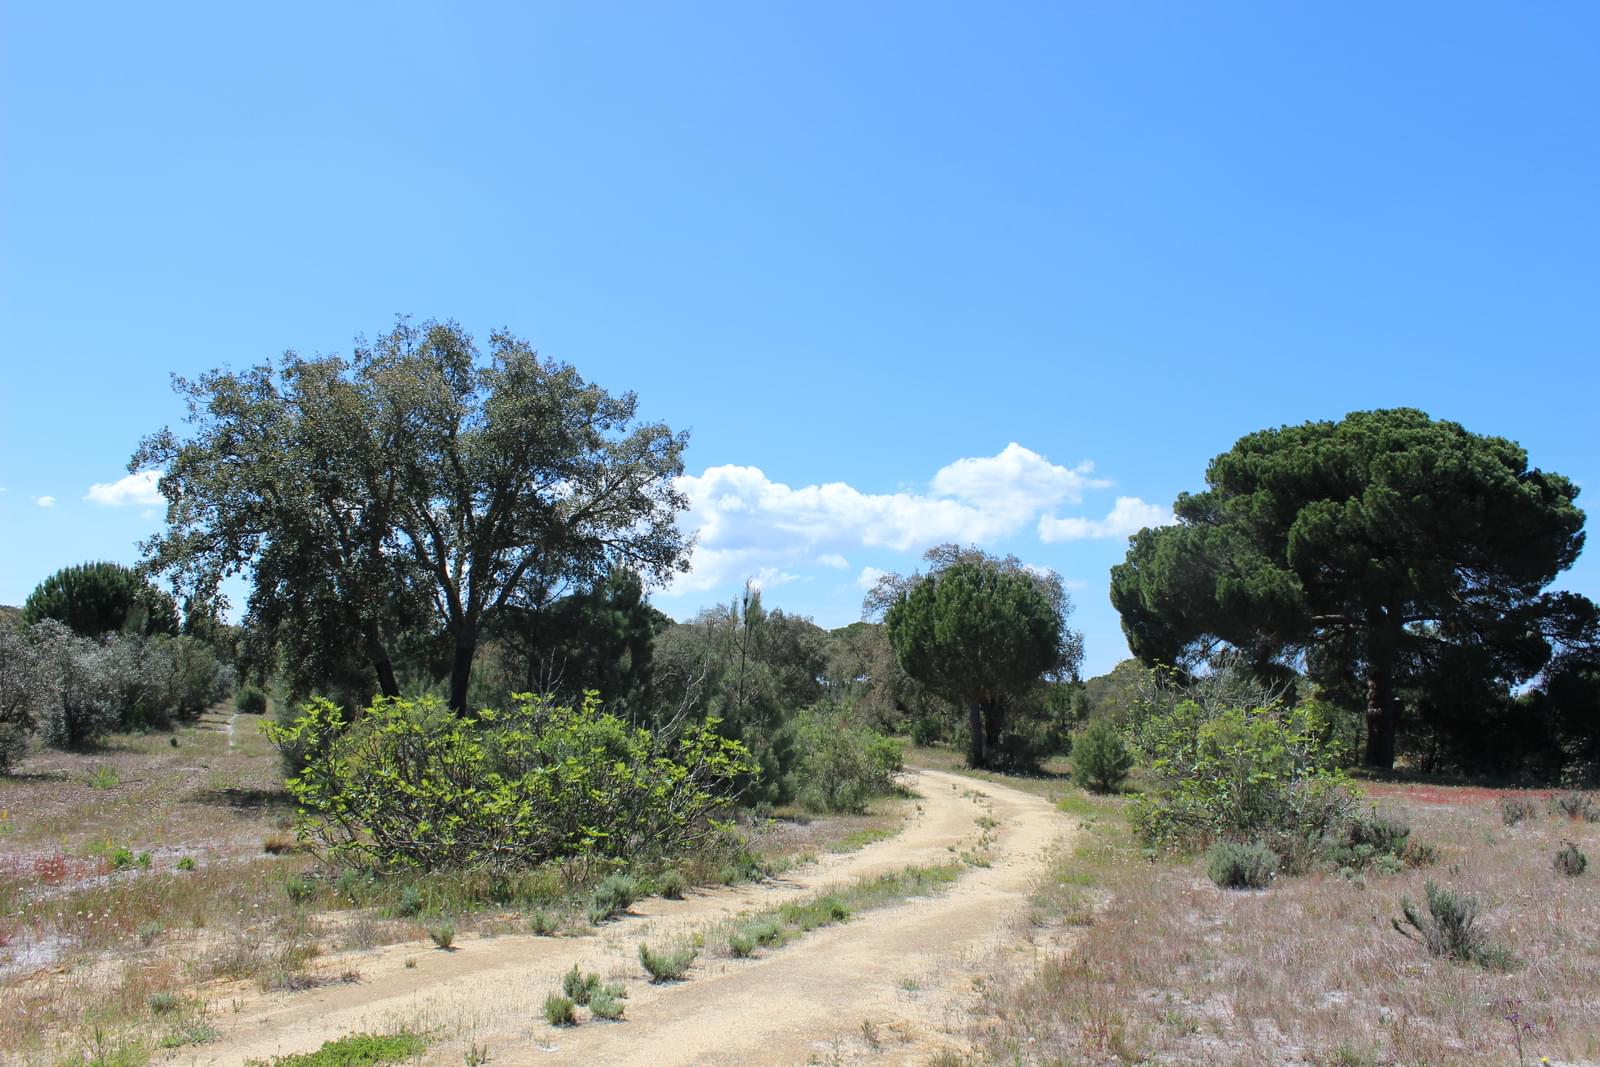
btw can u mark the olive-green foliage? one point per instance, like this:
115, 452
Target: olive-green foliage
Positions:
1100, 759
667, 965
358, 1050
841, 766
1390, 548
1251, 774
96, 598
1235, 866
979, 635
411, 785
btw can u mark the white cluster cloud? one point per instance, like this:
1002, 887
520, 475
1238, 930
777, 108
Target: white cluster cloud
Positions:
749, 524
138, 488
1128, 516
45, 501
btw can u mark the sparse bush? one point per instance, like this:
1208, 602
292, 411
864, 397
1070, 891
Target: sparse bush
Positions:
1235, 866
607, 1003
1570, 860
251, 700
148, 931
542, 923
558, 1011
443, 935
162, 1003
1450, 927
672, 884
578, 987
1514, 808
410, 903
515, 788
741, 944
612, 897
1375, 841
669, 965
300, 889
186, 863
1100, 759
1576, 806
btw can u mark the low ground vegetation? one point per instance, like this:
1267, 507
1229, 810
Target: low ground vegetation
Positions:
1160, 966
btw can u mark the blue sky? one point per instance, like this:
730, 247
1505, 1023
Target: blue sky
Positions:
908, 272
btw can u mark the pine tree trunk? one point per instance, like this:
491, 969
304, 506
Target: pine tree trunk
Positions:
977, 751
1383, 715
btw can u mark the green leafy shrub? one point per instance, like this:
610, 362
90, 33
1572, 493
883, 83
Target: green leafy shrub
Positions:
840, 765
1235, 866
250, 700
1570, 860
1450, 927
1257, 774
1100, 760
186, 863
542, 923
668, 965
411, 785
559, 1011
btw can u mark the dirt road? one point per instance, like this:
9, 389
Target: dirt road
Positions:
890, 984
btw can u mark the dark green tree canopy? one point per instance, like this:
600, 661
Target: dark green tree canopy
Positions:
97, 598
1375, 551
978, 633
415, 479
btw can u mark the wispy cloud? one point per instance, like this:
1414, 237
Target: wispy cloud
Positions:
138, 489
1128, 516
45, 501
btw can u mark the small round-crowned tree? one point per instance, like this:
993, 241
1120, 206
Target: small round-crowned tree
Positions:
976, 634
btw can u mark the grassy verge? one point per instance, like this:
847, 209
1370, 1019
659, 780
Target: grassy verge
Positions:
777, 926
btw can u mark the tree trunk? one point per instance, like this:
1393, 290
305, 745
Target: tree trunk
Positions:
379, 655
994, 721
1382, 717
461, 672
977, 754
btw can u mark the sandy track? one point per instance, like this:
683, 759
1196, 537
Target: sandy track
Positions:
889, 983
